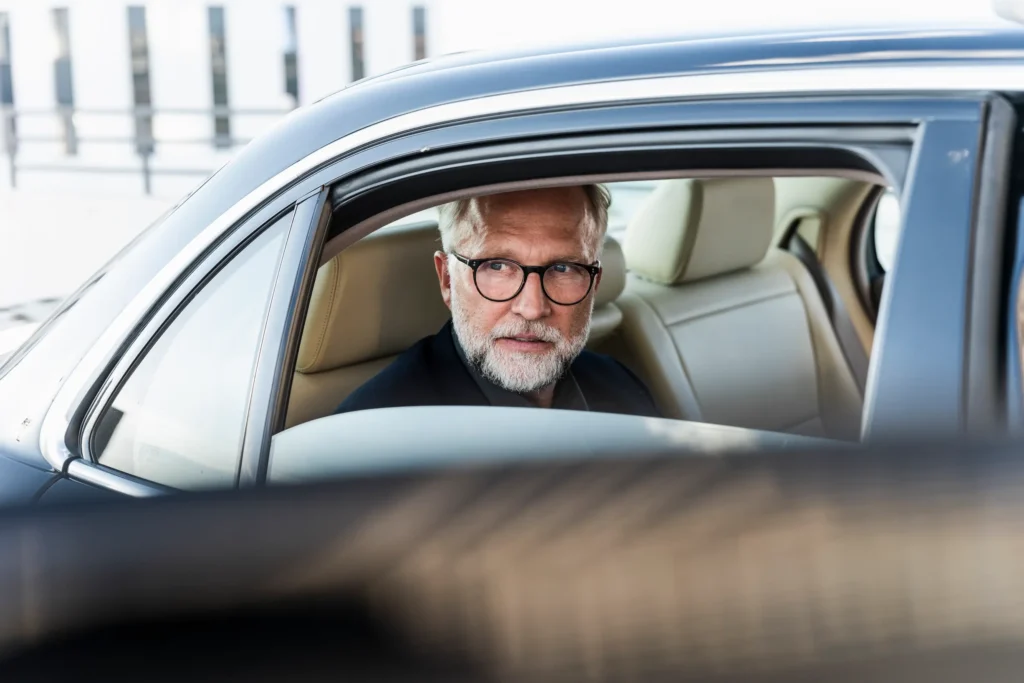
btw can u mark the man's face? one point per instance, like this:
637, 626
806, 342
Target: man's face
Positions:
527, 343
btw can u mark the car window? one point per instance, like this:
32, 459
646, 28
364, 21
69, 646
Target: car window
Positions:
179, 418
886, 226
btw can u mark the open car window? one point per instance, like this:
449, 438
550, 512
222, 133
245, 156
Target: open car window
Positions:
730, 336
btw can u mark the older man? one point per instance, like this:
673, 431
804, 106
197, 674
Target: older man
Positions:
518, 272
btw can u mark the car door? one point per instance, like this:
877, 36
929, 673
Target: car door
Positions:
560, 139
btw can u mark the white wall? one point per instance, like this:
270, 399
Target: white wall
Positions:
325, 61
180, 78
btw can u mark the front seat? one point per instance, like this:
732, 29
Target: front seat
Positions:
379, 297
725, 328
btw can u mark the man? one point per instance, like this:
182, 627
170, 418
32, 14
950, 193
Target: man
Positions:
518, 273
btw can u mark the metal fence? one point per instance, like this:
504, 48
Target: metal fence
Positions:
138, 135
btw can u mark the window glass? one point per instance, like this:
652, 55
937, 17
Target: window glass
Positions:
138, 43
355, 39
219, 74
6, 85
887, 229
63, 82
291, 55
179, 418
419, 32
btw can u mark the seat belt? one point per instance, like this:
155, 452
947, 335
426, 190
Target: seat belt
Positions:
842, 324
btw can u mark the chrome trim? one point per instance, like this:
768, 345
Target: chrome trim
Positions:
830, 80
104, 478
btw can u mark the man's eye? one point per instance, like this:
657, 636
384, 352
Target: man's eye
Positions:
496, 265
560, 267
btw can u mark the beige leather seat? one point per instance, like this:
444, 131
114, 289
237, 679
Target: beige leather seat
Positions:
724, 328
379, 297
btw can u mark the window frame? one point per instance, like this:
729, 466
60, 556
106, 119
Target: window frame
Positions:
285, 290
351, 174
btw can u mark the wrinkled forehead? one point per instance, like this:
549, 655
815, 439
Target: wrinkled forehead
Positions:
552, 213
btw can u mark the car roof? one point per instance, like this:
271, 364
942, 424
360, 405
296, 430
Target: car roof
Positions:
698, 51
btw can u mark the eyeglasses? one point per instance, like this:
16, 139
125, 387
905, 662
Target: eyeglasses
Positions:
500, 279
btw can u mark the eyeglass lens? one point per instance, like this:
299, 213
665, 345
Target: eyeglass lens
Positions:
564, 283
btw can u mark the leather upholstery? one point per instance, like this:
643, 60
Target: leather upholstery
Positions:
379, 297
607, 317
745, 345
692, 229
373, 300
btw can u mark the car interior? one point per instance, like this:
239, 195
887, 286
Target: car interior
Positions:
745, 301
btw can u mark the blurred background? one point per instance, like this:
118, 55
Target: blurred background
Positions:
111, 111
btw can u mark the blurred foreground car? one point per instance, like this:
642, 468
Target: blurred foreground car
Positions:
890, 566
756, 284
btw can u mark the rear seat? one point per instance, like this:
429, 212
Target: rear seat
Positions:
379, 297
723, 327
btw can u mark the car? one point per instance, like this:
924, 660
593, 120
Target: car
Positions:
815, 239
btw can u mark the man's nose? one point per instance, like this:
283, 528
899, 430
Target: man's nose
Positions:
531, 302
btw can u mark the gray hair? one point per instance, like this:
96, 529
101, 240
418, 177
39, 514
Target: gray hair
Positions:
460, 221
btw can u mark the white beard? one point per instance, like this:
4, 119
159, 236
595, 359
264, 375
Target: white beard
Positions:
518, 372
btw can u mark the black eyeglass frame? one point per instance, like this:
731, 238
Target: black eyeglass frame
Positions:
475, 263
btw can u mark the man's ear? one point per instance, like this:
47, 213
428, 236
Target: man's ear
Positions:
597, 280
443, 277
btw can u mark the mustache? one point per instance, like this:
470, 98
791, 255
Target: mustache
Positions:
519, 328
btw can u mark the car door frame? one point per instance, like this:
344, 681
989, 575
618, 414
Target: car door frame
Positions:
333, 165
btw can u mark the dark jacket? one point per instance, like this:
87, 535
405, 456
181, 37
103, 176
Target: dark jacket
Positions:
430, 373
